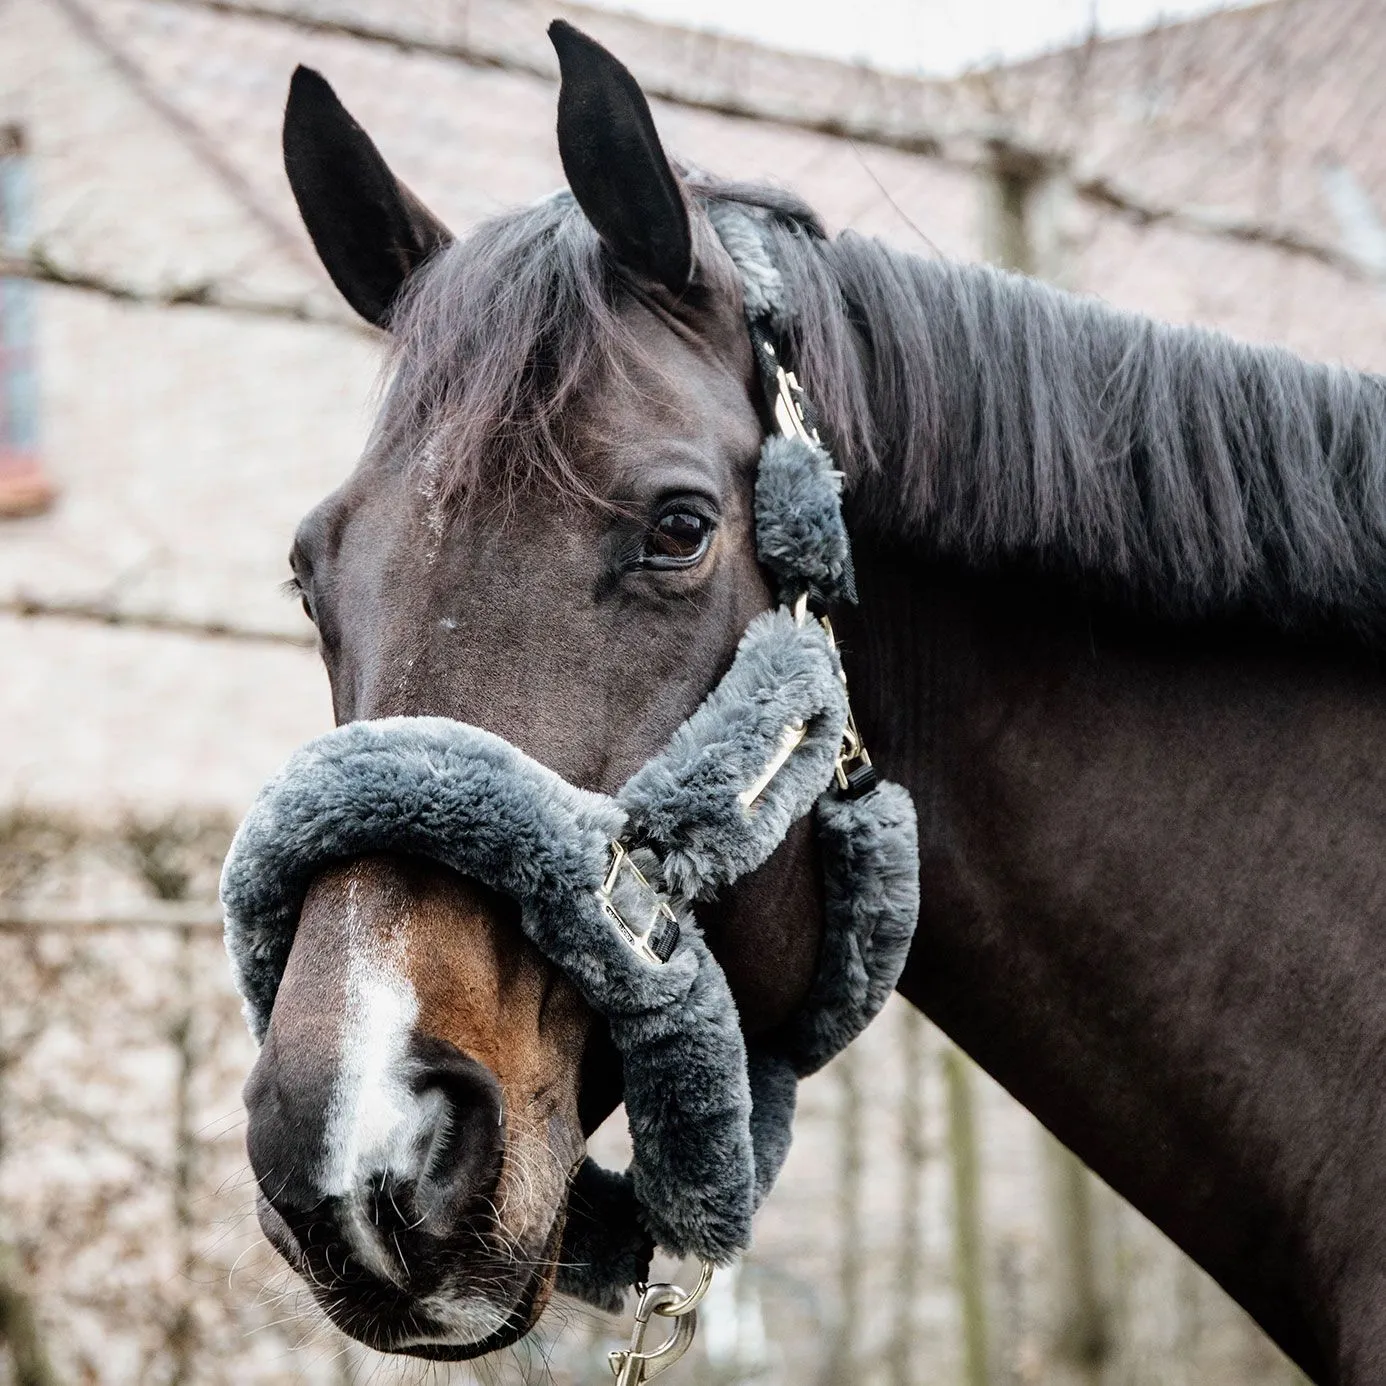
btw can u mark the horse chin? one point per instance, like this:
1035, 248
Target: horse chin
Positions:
451, 1322
520, 1319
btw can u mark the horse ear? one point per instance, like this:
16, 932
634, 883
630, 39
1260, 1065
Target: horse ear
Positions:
370, 231
615, 164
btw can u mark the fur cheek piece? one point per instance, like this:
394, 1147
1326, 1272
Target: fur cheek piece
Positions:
686, 802
800, 536
870, 853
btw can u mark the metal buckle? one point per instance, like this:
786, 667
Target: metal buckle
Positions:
853, 772
654, 933
789, 404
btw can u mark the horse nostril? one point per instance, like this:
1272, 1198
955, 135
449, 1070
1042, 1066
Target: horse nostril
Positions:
462, 1140
411, 1158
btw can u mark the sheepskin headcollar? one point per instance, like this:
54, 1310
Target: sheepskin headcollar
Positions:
606, 884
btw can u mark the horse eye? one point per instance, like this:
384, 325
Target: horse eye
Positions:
294, 588
678, 539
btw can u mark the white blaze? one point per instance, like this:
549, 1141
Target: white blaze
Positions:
378, 1124
373, 1116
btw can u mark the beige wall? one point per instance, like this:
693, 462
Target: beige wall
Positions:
186, 442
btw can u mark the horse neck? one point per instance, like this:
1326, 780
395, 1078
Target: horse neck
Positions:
1150, 866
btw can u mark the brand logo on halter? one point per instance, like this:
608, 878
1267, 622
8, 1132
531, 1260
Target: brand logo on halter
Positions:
641, 913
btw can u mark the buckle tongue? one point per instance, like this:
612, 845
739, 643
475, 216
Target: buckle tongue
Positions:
791, 738
640, 911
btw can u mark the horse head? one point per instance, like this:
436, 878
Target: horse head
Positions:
550, 536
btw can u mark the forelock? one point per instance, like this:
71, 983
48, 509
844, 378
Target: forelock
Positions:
494, 344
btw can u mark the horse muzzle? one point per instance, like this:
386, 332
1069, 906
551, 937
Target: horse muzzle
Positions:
416, 1189
443, 1299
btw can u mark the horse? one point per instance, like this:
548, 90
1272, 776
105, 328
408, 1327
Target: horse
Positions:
1121, 589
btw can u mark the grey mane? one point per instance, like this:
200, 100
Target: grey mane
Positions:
979, 415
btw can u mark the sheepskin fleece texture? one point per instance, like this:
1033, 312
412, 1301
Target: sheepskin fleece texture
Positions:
463, 797
869, 848
762, 284
606, 1248
774, 1096
685, 801
800, 535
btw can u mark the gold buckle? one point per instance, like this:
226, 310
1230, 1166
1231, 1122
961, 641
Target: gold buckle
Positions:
789, 404
852, 756
655, 937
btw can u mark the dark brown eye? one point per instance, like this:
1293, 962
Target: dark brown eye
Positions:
678, 539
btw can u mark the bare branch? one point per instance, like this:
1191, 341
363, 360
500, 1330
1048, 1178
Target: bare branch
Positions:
1208, 222
285, 235
106, 614
471, 54
41, 268
176, 916
795, 109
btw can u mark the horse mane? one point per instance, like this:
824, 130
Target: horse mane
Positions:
978, 414
992, 418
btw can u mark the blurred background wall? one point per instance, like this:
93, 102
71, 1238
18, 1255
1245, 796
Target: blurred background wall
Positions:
178, 384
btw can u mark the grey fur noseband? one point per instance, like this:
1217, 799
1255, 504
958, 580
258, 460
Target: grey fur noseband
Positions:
606, 884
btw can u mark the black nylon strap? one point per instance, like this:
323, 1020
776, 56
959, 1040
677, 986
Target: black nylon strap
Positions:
764, 343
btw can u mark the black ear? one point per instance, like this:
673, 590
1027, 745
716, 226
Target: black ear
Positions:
370, 231
615, 164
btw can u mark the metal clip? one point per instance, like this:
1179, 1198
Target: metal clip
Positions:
632, 1365
654, 934
854, 773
